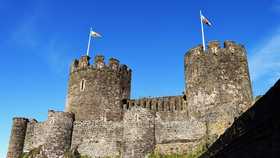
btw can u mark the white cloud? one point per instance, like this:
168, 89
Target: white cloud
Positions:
264, 63
46, 47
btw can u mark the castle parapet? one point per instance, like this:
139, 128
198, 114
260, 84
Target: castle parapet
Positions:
213, 47
159, 104
99, 64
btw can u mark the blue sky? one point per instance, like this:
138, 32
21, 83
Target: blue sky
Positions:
39, 39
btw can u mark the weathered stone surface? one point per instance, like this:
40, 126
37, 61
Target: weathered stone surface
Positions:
98, 138
139, 132
178, 136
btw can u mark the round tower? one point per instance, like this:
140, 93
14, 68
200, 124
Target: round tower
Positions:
217, 79
17, 137
95, 92
218, 86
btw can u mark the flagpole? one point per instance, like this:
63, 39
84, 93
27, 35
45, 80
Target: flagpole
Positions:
89, 39
202, 31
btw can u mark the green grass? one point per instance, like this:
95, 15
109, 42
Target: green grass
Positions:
195, 154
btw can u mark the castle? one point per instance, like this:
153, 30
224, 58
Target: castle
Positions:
101, 120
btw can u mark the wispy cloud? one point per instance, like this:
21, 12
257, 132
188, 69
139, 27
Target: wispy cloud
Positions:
264, 63
47, 48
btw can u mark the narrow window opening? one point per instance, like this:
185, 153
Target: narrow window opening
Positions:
82, 85
156, 106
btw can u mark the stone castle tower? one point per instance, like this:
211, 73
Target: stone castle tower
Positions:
95, 92
100, 119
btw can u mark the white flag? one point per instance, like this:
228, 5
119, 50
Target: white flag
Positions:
205, 20
94, 34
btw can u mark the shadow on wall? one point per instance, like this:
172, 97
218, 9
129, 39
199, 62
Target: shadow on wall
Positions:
255, 133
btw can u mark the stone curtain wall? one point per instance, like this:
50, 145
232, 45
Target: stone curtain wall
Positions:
17, 137
178, 137
253, 134
95, 92
98, 138
139, 132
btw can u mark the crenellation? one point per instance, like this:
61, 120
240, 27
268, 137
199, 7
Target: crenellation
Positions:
84, 62
99, 61
168, 104
114, 63
213, 47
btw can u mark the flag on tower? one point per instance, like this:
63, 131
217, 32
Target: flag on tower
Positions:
94, 34
205, 20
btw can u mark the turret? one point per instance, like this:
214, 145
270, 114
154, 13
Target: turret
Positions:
96, 91
217, 82
17, 137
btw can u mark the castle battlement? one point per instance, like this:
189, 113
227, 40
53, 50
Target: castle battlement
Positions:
159, 104
20, 119
214, 47
83, 64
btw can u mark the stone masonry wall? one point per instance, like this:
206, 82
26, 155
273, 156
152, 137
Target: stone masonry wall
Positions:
17, 137
35, 135
178, 137
54, 135
98, 138
96, 91
58, 132
139, 132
